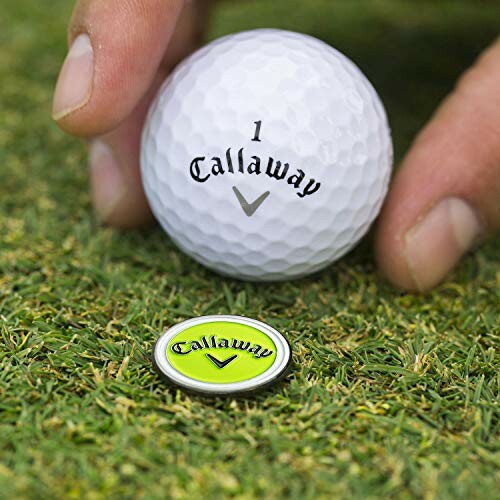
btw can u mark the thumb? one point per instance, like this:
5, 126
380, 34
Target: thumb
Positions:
116, 48
446, 196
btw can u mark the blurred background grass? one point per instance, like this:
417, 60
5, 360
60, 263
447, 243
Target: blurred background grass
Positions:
391, 394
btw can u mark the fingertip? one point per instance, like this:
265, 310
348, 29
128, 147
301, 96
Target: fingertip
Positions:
116, 48
118, 197
390, 255
427, 251
74, 86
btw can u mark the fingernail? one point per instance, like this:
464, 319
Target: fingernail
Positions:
74, 86
437, 242
107, 181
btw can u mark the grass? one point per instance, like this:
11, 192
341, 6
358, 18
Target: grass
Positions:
391, 395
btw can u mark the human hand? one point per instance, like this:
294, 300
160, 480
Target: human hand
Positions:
444, 199
120, 53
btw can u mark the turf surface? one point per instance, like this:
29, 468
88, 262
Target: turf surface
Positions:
391, 395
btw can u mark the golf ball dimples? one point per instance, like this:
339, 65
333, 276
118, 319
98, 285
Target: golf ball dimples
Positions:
266, 155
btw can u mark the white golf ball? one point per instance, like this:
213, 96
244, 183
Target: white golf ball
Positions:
266, 155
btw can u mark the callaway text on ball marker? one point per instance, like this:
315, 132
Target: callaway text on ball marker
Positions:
214, 343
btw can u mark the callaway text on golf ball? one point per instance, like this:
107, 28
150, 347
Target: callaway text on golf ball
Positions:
266, 155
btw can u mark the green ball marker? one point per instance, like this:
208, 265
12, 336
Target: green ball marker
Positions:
222, 355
